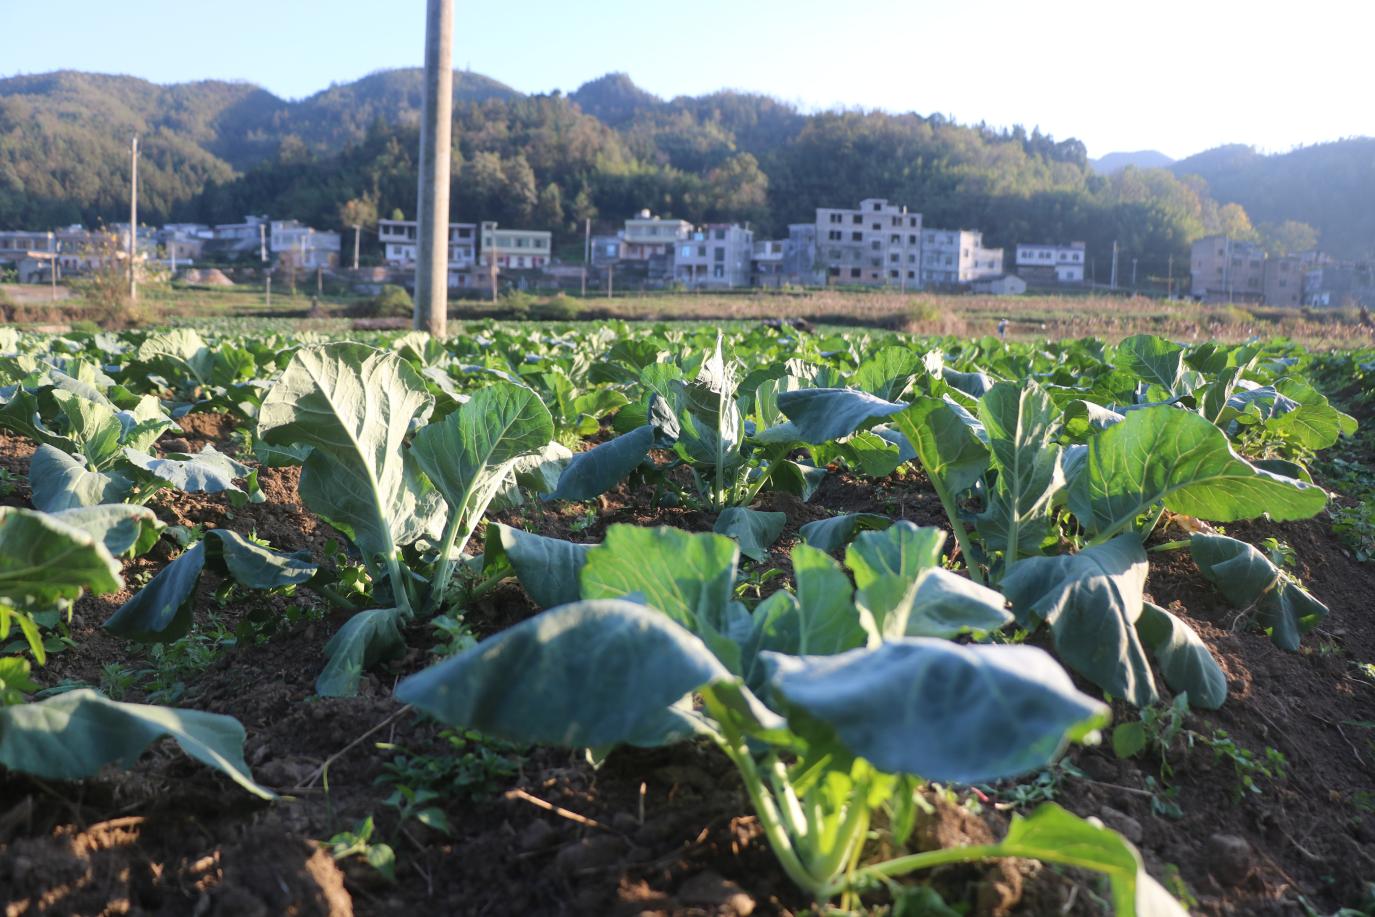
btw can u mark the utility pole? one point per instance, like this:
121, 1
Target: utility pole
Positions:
1113, 282
52, 264
133, 215
268, 288
262, 242
586, 251
1169, 282
1133, 275
610, 269
436, 139
357, 234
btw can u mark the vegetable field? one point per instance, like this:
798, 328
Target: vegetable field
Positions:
624, 619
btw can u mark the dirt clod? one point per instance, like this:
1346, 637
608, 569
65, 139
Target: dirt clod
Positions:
1230, 858
721, 896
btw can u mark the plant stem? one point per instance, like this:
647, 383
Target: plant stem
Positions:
961, 534
444, 571
398, 587
765, 806
903, 865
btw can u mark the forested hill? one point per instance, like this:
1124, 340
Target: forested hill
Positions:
1330, 186
214, 151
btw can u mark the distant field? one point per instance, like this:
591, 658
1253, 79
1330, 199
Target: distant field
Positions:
1029, 317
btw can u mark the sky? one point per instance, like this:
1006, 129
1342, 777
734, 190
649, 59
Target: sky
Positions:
1178, 76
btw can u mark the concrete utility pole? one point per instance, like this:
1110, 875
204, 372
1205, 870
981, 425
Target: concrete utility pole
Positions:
133, 215
1133, 274
1169, 282
262, 242
586, 251
436, 140
357, 234
1113, 282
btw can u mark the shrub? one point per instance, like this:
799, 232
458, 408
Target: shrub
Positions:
390, 301
516, 303
558, 308
925, 316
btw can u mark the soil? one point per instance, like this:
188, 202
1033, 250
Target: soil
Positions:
665, 831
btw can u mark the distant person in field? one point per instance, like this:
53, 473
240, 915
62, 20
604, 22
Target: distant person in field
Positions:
1002, 329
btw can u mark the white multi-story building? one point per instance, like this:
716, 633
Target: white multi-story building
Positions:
716, 255
515, 249
398, 245
1051, 263
878, 244
766, 259
647, 236
305, 246
952, 257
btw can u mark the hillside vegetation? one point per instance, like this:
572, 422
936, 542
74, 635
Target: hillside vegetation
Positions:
214, 151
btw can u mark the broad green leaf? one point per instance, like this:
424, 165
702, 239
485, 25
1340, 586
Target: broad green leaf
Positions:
207, 471
256, 567
162, 611
821, 415
1185, 661
800, 480
947, 444
959, 714
827, 620
1091, 600
834, 533
44, 560
689, 577
1154, 359
945, 604
753, 529
354, 405
548, 568
1019, 421
120, 527
1175, 456
592, 473
1084, 418
58, 481
711, 425
74, 735
901, 550
92, 425
1249, 580
589, 674
1315, 424
366, 639
469, 454
1053, 835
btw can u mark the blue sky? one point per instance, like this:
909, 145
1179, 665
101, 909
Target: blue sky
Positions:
1175, 75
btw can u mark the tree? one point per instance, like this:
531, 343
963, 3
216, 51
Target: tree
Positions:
357, 213
1289, 237
549, 209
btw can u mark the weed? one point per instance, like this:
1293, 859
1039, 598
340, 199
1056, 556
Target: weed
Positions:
358, 842
473, 766
116, 680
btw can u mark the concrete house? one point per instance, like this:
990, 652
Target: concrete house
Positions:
716, 255
1227, 270
514, 249
954, 257
878, 244
1039, 263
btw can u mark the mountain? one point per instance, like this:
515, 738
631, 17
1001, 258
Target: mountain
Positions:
1330, 186
614, 99
213, 151
1141, 159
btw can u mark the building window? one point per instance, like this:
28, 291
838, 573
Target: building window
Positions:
856, 237
854, 272
876, 245
877, 207
877, 227
718, 254
893, 257
834, 235
836, 218
858, 219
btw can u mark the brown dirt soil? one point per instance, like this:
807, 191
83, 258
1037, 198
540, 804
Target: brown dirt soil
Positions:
171, 837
